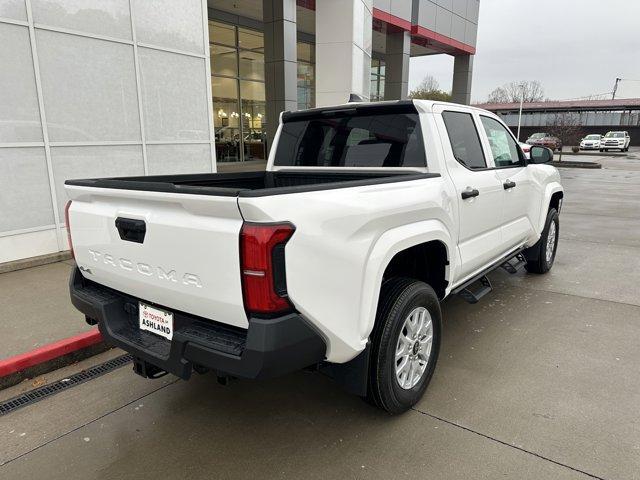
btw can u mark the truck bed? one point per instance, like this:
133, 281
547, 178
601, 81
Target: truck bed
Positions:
252, 184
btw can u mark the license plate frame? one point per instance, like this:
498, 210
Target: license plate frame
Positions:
155, 320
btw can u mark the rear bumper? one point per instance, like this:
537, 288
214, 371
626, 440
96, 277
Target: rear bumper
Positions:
268, 348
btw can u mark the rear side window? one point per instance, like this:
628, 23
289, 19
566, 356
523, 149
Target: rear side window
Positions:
464, 139
351, 138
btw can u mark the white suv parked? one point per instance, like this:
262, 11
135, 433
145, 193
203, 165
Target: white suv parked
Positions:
615, 140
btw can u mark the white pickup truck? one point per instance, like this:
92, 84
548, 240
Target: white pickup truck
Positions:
337, 256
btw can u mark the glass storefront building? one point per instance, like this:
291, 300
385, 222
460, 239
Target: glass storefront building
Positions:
133, 87
238, 83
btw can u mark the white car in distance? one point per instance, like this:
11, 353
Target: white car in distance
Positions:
591, 142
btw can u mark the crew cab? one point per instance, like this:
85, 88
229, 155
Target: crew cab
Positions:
615, 140
337, 256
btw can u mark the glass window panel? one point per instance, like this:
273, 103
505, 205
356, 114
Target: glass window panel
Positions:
358, 140
224, 61
503, 147
253, 120
464, 138
251, 65
222, 33
226, 118
306, 89
250, 39
306, 52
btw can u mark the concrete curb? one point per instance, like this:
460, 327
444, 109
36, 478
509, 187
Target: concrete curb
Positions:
50, 357
592, 153
34, 261
575, 164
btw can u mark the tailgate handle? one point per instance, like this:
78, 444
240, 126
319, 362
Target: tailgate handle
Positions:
131, 229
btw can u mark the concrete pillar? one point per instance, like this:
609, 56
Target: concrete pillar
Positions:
462, 74
280, 61
343, 50
396, 84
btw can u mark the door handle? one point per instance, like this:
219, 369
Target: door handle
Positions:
131, 229
470, 193
508, 184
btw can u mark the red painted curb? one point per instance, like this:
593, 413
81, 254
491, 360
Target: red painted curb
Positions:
48, 352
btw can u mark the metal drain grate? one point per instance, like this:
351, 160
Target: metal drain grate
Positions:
45, 391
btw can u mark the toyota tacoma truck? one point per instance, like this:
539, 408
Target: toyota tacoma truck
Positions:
337, 257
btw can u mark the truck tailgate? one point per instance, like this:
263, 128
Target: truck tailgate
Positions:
187, 260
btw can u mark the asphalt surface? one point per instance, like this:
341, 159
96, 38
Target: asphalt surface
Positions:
539, 380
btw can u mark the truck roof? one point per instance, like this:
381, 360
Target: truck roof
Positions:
424, 105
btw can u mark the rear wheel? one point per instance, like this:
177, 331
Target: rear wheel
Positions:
541, 256
405, 344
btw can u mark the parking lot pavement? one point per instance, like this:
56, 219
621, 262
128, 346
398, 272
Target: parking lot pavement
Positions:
539, 380
35, 309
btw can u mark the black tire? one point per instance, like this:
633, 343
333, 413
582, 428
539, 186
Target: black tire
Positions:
601, 150
398, 298
536, 255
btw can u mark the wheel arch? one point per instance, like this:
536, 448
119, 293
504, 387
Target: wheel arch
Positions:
432, 243
552, 198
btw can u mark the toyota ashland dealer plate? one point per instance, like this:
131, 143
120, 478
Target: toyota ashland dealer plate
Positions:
156, 321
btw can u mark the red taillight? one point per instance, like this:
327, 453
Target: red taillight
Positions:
66, 222
262, 266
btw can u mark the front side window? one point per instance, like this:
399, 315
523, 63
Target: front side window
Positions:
351, 138
464, 139
503, 146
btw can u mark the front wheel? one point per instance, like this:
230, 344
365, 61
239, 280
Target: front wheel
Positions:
405, 344
541, 256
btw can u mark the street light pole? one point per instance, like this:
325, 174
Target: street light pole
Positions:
615, 88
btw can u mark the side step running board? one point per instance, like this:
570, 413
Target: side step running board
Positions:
513, 266
474, 296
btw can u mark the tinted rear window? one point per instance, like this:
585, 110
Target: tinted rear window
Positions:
464, 139
352, 138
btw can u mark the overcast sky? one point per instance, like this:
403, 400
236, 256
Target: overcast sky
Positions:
574, 48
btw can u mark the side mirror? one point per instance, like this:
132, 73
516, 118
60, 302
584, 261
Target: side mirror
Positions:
539, 154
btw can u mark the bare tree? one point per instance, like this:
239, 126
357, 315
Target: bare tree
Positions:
567, 127
530, 90
429, 89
